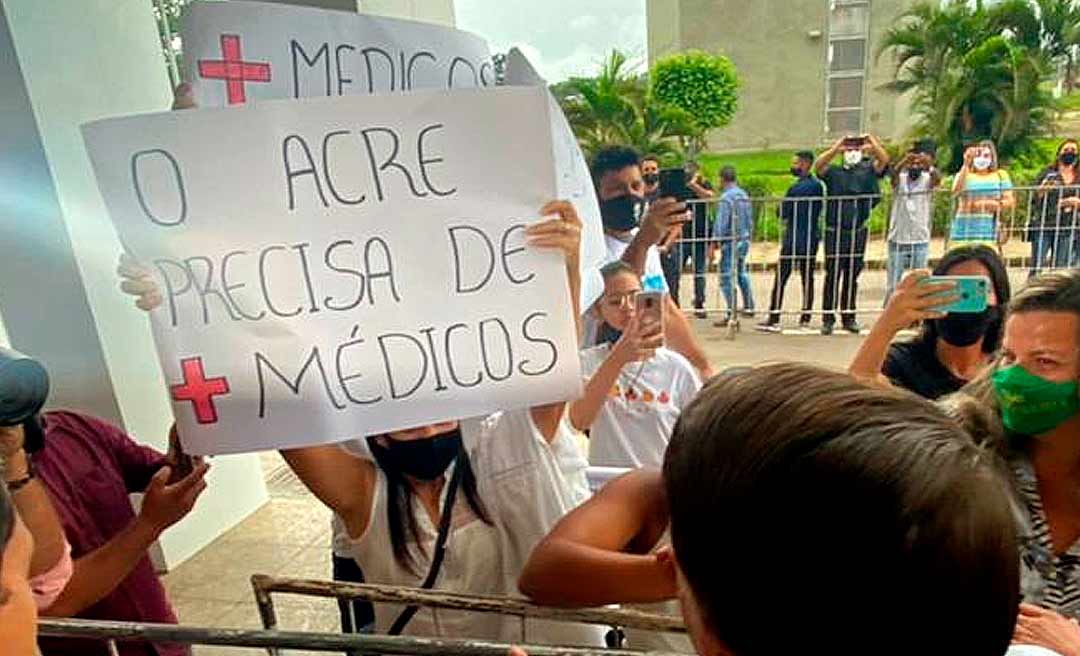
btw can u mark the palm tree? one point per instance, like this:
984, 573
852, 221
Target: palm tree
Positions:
615, 107
973, 72
1060, 21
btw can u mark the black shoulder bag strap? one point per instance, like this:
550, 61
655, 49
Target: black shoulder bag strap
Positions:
440, 542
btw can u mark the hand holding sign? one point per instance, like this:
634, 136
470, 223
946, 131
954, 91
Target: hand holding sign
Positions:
287, 316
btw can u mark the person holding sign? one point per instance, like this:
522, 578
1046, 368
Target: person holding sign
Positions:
635, 388
632, 233
456, 505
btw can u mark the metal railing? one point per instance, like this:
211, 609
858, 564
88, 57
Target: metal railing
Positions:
113, 633
845, 251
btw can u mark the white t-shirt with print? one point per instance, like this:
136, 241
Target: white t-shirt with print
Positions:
635, 423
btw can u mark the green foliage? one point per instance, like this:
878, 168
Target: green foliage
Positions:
974, 72
616, 107
703, 85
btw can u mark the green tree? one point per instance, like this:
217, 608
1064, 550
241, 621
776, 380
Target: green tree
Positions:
973, 72
167, 13
1060, 32
703, 85
615, 107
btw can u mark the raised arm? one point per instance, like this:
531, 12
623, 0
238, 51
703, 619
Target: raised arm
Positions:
821, 164
637, 344
881, 156
600, 553
97, 573
664, 214
912, 301
31, 501
680, 337
562, 233
343, 482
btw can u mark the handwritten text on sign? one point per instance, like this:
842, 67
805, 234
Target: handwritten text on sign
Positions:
235, 52
339, 267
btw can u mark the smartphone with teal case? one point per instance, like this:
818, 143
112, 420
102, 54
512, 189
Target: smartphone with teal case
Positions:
972, 293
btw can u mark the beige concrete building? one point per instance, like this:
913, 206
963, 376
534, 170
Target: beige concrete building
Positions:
809, 68
440, 12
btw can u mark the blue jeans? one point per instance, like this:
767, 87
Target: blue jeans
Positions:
1057, 245
904, 258
733, 263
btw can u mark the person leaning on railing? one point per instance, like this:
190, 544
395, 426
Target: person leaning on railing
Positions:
983, 192
950, 349
1052, 227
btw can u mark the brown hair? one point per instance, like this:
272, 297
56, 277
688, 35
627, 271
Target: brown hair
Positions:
793, 483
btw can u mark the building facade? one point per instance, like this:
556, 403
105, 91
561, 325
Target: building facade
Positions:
809, 68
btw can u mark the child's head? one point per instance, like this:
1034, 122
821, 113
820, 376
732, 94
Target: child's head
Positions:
621, 287
867, 514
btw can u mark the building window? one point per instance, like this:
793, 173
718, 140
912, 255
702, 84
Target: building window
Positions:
845, 66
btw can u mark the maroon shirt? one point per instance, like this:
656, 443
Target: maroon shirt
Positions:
89, 468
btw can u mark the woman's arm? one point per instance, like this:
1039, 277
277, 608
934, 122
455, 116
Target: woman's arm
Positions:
599, 553
912, 301
637, 344
343, 482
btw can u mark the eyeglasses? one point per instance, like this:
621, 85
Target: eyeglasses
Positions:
616, 301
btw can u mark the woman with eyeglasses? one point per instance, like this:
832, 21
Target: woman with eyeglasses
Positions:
634, 387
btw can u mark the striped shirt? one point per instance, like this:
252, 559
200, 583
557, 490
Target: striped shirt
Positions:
970, 225
1046, 579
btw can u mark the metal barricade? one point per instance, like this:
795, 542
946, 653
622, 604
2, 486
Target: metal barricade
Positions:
265, 586
736, 259
114, 632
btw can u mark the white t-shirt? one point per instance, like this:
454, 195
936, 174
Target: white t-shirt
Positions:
616, 247
634, 424
524, 483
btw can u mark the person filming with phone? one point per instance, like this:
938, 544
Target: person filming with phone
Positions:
634, 387
1052, 227
853, 191
959, 335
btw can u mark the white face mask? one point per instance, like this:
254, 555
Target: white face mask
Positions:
982, 162
852, 157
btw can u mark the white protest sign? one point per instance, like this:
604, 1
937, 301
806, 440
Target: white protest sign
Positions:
338, 267
237, 52
572, 177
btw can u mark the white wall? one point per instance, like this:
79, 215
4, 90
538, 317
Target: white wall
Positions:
80, 62
440, 12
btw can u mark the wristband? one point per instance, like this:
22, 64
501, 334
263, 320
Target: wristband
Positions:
18, 484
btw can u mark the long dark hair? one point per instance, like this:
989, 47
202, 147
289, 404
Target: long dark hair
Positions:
1057, 155
399, 506
999, 278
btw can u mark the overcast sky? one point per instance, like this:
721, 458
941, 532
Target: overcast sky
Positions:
560, 37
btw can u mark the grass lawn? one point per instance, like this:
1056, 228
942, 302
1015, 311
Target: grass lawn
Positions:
770, 166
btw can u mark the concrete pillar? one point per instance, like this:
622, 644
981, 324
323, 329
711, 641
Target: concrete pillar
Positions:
60, 66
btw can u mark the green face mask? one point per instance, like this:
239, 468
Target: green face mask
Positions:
1031, 405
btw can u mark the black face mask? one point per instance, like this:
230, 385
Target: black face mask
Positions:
621, 213
1068, 159
964, 329
651, 178
607, 334
796, 171
914, 173
425, 459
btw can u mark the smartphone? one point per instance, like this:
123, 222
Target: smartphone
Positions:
972, 293
673, 183
650, 309
185, 464
854, 142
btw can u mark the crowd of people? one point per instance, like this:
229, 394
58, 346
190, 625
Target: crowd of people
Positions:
827, 210
926, 499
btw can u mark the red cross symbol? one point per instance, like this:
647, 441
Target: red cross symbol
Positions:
200, 390
233, 69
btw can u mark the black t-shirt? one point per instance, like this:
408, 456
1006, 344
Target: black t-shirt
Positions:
701, 226
914, 366
859, 180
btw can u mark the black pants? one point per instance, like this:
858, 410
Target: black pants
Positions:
672, 263
346, 569
845, 252
804, 264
